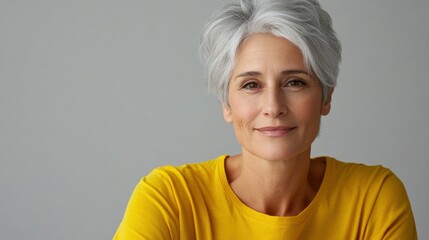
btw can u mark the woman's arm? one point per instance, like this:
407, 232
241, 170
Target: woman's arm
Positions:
151, 212
392, 216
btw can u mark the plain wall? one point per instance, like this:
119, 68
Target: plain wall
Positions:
94, 94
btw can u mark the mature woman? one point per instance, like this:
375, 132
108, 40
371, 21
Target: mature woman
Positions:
273, 65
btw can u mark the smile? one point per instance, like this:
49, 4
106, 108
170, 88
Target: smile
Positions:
275, 131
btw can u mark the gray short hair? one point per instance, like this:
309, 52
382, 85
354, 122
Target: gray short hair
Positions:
302, 22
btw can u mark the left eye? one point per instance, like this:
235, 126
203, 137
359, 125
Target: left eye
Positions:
296, 83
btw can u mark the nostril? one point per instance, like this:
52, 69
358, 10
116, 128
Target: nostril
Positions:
274, 113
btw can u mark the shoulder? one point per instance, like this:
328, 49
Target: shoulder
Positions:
359, 173
168, 178
377, 193
362, 183
186, 170
164, 198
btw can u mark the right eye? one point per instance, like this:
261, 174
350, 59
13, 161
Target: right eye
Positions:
251, 85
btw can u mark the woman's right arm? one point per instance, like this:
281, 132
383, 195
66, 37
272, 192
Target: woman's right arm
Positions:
151, 212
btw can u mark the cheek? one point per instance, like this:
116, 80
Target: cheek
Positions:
243, 118
242, 110
240, 119
308, 109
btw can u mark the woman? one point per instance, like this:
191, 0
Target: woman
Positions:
273, 65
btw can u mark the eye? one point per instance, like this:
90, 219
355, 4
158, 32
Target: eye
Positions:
250, 85
296, 83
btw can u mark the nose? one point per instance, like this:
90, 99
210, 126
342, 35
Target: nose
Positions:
274, 103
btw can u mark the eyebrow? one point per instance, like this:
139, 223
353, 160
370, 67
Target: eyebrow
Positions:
255, 73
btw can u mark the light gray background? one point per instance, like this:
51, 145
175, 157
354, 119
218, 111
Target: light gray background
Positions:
96, 93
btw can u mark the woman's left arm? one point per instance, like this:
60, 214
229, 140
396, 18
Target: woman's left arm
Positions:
392, 216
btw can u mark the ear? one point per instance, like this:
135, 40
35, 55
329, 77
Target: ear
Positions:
326, 107
227, 113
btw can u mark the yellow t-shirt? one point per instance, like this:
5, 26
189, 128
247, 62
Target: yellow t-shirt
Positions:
195, 201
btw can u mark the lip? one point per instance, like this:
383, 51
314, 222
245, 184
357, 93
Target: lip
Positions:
275, 131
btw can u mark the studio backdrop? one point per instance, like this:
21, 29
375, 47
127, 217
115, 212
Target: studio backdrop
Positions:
94, 94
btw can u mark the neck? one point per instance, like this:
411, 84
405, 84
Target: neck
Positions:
280, 188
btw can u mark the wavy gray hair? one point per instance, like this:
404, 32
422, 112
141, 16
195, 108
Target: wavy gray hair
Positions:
302, 22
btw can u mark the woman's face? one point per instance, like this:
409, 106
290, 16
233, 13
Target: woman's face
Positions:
274, 104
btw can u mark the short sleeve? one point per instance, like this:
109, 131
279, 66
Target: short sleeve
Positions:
151, 212
392, 216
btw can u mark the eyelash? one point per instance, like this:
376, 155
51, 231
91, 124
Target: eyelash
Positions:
296, 83
246, 84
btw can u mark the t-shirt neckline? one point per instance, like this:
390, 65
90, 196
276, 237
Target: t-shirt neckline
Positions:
241, 208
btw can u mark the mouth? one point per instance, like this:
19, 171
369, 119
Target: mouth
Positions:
275, 131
